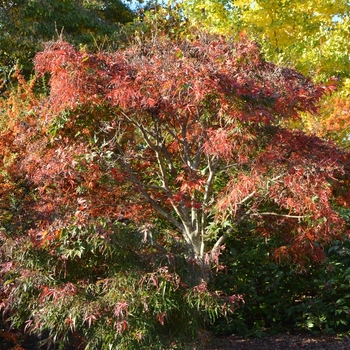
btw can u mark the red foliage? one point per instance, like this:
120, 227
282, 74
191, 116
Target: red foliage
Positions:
183, 130
177, 78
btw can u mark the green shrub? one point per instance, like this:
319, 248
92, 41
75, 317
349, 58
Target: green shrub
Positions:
285, 296
328, 309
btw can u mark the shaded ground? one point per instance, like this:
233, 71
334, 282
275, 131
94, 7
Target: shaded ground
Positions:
302, 341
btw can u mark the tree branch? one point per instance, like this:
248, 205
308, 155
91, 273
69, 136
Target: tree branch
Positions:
143, 191
219, 242
299, 217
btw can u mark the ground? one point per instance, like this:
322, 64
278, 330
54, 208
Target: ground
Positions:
287, 341
304, 341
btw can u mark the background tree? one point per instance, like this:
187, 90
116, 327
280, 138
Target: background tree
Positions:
312, 36
27, 25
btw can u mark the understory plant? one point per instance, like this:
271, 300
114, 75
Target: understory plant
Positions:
285, 296
103, 286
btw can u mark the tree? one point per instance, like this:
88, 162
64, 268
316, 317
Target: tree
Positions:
26, 25
310, 35
190, 133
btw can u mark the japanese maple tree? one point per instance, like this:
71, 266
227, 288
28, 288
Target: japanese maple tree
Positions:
189, 133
